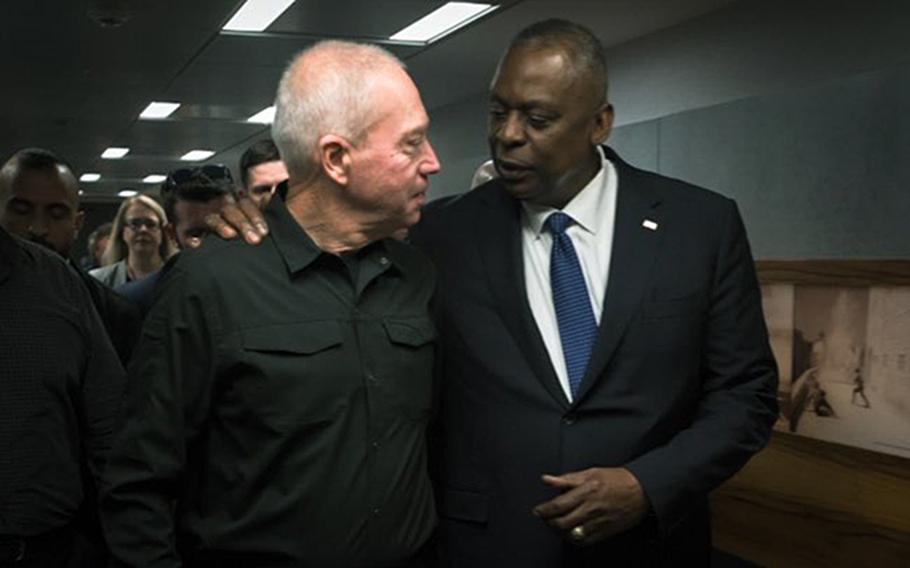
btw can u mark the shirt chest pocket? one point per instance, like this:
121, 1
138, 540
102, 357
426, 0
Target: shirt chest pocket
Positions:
402, 371
292, 374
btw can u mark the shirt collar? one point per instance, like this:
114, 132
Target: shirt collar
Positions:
297, 248
293, 243
584, 208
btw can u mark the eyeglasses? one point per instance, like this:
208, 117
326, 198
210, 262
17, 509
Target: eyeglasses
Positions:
140, 222
210, 172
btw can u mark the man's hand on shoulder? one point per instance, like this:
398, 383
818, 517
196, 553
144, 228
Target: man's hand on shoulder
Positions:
242, 216
596, 504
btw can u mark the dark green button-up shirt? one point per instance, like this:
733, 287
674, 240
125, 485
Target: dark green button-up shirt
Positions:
277, 410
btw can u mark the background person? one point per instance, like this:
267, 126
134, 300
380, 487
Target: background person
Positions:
138, 246
97, 244
39, 202
261, 170
189, 194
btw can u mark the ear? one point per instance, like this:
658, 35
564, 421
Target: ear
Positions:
78, 223
603, 124
335, 158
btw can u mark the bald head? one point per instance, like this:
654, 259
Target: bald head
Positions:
327, 90
39, 199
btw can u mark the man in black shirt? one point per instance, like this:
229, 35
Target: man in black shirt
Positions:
60, 387
39, 201
189, 195
280, 393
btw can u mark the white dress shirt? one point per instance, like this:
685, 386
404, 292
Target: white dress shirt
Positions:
594, 211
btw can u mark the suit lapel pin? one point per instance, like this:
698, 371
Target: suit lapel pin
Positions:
649, 224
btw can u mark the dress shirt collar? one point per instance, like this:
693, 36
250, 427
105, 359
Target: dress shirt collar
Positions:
584, 208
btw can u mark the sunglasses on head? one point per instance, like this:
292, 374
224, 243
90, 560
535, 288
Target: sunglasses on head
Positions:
210, 172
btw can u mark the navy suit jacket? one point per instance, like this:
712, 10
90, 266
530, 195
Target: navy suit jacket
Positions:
681, 387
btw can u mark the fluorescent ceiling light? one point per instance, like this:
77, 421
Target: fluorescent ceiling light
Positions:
157, 110
89, 178
265, 116
114, 153
443, 21
197, 155
154, 178
128, 193
256, 15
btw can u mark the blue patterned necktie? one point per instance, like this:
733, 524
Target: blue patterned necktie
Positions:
574, 314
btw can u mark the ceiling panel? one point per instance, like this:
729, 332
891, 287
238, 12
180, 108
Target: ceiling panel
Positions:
352, 18
227, 85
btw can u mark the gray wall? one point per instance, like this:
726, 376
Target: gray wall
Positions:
818, 172
796, 109
459, 134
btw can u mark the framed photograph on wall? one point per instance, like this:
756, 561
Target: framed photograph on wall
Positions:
840, 331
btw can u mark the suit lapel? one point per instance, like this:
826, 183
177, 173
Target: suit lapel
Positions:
500, 248
634, 251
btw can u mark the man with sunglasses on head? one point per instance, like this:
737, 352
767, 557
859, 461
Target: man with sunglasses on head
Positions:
189, 195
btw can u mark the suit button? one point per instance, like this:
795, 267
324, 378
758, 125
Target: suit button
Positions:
568, 419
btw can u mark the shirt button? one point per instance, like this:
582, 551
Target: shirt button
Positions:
376, 444
383, 260
371, 378
376, 512
568, 419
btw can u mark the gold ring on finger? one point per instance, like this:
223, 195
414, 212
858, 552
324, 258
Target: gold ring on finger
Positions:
578, 533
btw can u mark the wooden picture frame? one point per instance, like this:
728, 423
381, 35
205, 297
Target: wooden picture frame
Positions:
840, 332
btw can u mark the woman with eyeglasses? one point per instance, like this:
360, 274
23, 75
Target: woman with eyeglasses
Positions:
138, 245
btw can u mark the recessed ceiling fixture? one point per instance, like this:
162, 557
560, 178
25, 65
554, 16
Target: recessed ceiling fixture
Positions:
197, 155
154, 178
256, 15
158, 110
128, 193
89, 178
443, 21
265, 116
115, 153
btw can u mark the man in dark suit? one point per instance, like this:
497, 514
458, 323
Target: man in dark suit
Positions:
605, 359
606, 363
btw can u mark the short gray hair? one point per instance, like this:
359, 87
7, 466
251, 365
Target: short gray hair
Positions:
325, 90
584, 49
